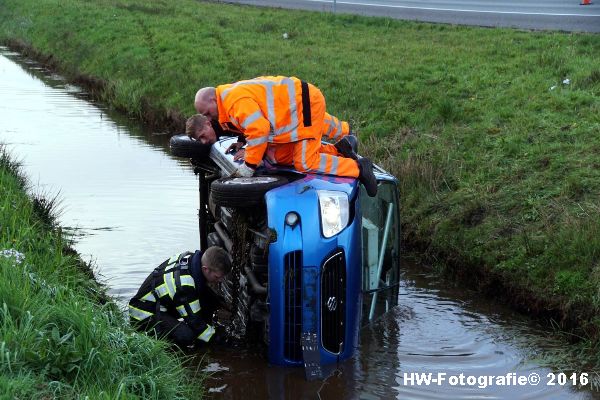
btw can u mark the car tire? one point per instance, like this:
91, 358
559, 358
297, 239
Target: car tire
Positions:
213, 239
244, 192
183, 146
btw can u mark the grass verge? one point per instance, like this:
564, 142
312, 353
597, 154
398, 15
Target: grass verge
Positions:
493, 132
60, 337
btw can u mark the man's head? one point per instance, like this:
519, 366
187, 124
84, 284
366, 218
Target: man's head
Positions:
199, 128
215, 264
206, 103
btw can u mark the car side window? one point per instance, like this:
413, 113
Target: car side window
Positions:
380, 250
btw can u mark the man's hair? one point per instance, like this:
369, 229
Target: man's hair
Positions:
217, 259
193, 123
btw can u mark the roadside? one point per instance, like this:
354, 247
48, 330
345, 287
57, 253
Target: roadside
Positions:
491, 131
60, 335
566, 16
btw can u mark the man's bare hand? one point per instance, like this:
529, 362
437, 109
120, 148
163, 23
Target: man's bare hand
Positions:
239, 155
234, 148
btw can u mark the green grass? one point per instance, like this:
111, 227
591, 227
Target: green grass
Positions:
499, 172
59, 335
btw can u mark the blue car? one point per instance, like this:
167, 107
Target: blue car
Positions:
315, 258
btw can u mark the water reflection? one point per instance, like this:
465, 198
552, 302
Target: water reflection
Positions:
130, 205
435, 330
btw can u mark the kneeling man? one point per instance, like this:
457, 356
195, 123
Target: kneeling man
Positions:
175, 301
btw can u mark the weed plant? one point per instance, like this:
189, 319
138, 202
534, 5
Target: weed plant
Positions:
59, 336
493, 133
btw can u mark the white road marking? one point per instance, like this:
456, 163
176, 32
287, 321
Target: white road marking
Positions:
450, 9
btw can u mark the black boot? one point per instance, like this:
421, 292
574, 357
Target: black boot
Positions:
367, 177
348, 147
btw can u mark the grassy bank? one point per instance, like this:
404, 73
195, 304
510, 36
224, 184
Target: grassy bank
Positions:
59, 336
493, 132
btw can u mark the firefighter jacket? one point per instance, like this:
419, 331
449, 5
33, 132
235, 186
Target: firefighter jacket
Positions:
274, 109
176, 287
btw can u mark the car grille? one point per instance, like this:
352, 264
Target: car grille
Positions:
333, 305
293, 306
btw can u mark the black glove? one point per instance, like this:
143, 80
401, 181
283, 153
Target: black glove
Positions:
220, 337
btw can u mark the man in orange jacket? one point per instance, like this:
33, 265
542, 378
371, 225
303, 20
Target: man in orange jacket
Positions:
283, 120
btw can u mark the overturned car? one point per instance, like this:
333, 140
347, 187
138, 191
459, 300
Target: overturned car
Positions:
315, 258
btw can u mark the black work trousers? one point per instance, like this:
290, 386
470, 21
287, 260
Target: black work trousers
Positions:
165, 326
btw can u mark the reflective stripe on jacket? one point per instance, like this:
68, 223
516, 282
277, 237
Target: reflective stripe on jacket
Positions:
270, 109
335, 128
171, 288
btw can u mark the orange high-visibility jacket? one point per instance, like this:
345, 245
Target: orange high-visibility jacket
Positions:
271, 109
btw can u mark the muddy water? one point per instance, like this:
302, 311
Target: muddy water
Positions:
130, 205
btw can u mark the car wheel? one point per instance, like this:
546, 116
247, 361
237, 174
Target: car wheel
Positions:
244, 192
183, 146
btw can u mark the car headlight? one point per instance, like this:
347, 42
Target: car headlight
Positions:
334, 211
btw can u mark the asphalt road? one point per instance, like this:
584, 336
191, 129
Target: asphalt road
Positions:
561, 15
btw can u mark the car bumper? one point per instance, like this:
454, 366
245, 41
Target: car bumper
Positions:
314, 282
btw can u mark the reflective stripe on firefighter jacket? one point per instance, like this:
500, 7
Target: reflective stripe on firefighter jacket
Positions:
172, 289
277, 110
